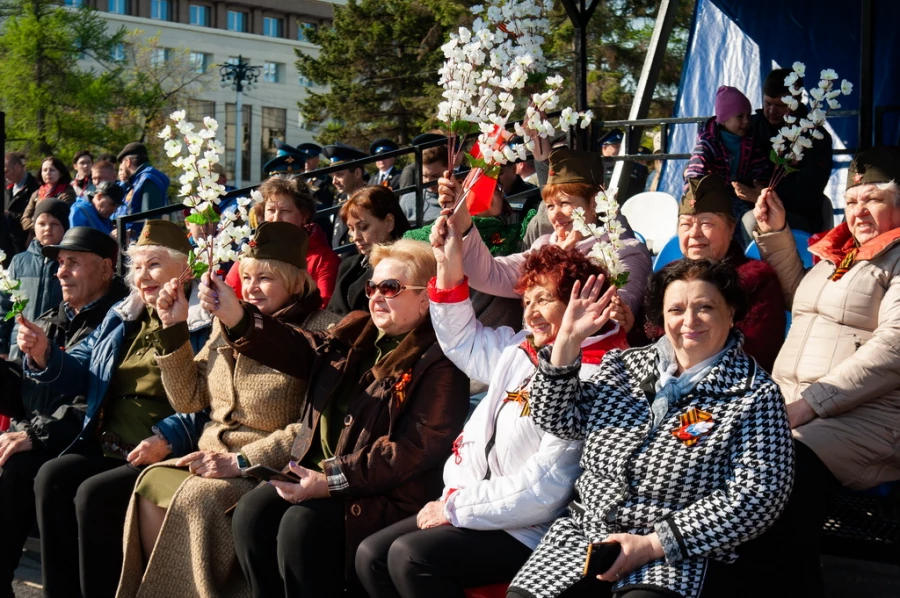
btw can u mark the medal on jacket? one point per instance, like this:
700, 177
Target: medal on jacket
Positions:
694, 424
520, 395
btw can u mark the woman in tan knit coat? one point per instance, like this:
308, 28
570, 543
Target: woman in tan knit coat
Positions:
178, 539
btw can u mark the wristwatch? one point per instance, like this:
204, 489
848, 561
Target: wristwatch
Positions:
243, 464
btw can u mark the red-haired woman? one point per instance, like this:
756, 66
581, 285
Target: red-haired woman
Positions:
55, 179
373, 216
507, 480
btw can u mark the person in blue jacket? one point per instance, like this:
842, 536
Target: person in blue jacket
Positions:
95, 208
82, 496
147, 187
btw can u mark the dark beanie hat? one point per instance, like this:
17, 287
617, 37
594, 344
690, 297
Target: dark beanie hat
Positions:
56, 208
165, 234
280, 241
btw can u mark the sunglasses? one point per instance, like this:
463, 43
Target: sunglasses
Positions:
389, 288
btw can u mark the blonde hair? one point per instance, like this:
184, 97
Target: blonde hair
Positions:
296, 281
136, 251
416, 256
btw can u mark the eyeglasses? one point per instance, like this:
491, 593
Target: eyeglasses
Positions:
389, 288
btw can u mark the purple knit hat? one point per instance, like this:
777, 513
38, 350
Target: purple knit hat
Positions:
730, 101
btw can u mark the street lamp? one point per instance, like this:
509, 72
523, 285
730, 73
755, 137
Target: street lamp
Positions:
238, 74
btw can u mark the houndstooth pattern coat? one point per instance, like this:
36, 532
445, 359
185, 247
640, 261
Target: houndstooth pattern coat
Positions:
702, 500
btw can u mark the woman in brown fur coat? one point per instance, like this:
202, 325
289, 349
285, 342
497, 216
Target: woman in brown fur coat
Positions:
178, 539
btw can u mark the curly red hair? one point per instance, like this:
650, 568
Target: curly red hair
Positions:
560, 268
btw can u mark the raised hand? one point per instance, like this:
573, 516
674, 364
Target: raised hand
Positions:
219, 299
446, 244
448, 190
172, 305
586, 313
769, 212
622, 314
32, 342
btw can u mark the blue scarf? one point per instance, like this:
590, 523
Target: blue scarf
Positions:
671, 388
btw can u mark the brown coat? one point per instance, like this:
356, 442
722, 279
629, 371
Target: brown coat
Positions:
394, 442
842, 354
254, 409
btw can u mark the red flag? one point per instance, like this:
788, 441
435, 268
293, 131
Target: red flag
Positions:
481, 192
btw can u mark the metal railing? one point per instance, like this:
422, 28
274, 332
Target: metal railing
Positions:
419, 187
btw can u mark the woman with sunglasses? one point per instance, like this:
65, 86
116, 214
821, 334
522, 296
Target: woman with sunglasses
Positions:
507, 480
382, 409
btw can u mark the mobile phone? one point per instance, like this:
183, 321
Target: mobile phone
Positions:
600, 557
261, 472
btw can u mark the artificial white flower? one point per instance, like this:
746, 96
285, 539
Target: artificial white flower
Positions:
178, 115
586, 119
828, 75
799, 68
846, 87
165, 133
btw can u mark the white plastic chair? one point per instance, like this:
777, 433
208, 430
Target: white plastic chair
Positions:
654, 215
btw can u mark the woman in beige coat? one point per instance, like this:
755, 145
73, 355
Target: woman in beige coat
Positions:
178, 539
839, 368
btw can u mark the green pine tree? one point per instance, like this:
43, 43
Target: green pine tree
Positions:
380, 62
52, 104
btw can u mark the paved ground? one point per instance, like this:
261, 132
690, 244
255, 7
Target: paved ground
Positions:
844, 578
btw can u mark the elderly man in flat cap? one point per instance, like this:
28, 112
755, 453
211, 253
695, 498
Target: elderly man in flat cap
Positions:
45, 421
147, 187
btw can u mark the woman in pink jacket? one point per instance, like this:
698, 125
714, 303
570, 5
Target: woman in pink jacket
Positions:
572, 183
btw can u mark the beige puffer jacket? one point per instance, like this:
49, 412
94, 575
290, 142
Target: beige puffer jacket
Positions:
842, 354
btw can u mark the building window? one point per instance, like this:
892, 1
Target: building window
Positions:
74, 3
119, 7
159, 56
230, 145
274, 126
237, 21
272, 72
118, 53
273, 27
159, 9
199, 15
303, 31
196, 110
199, 62
303, 81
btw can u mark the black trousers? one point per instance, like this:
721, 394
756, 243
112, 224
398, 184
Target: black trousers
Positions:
81, 503
290, 550
17, 516
784, 560
402, 560
719, 583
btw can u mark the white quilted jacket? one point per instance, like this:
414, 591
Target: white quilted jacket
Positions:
531, 472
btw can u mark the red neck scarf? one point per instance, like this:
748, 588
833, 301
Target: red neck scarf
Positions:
48, 190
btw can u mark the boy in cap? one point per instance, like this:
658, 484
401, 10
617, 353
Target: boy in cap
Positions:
37, 275
96, 208
45, 422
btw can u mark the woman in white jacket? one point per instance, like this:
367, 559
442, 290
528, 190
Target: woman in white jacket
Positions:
507, 480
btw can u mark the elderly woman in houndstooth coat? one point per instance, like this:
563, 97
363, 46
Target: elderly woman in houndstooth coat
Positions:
687, 450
